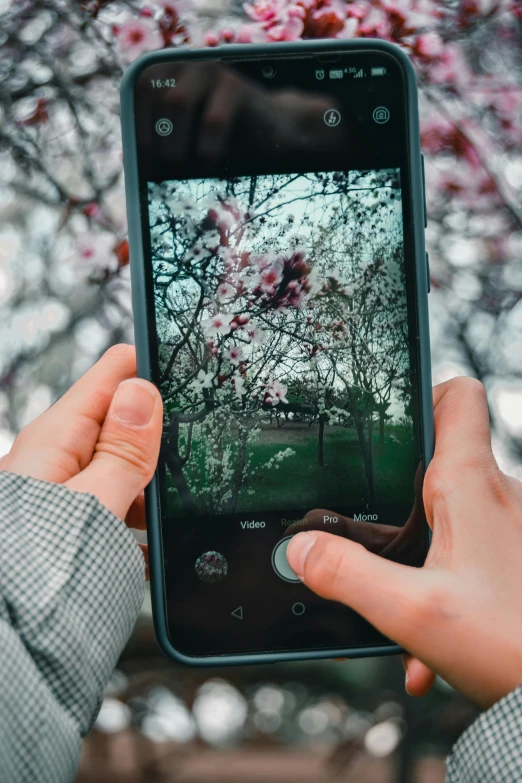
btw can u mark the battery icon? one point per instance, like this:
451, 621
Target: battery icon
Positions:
336, 74
381, 71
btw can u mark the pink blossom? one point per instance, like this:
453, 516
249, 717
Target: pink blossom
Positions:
92, 210
451, 68
350, 28
137, 36
375, 24
356, 12
262, 261
428, 45
224, 291
257, 335
97, 250
285, 281
217, 324
280, 19
276, 393
290, 30
211, 39
272, 276
326, 21
234, 354
228, 35
264, 10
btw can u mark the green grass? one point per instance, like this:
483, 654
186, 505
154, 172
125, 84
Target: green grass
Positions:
342, 475
299, 481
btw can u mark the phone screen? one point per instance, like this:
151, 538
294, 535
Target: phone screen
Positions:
276, 217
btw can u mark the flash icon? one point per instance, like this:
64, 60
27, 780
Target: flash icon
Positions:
332, 118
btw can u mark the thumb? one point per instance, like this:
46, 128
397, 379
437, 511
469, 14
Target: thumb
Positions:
127, 450
383, 592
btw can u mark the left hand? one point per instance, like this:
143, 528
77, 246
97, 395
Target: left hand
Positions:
102, 437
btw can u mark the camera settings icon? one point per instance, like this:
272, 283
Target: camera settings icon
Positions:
381, 115
164, 127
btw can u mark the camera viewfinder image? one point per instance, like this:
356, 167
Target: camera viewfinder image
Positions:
283, 341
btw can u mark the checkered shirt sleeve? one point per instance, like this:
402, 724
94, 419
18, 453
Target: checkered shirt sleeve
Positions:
71, 586
490, 751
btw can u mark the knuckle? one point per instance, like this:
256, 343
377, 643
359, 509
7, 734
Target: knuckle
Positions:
130, 453
437, 481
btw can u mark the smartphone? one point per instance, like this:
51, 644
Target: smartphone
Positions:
279, 277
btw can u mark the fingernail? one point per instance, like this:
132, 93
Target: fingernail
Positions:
298, 550
406, 680
133, 404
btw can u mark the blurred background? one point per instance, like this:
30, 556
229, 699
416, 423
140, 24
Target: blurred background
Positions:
65, 298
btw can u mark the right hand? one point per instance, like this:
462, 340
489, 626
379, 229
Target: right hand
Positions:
461, 613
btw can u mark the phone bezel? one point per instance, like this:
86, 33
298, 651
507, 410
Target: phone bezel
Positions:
141, 317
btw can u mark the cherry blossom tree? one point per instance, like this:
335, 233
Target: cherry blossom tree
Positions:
372, 335
249, 303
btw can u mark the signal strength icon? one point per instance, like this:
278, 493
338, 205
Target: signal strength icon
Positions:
359, 74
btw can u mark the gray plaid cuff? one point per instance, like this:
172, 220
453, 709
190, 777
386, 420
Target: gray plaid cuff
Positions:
490, 750
71, 584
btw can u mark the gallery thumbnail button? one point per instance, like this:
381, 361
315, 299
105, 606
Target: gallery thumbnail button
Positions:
279, 562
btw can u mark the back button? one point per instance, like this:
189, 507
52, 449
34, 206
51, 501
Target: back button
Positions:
238, 613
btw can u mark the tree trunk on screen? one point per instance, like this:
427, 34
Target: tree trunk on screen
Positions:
370, 453
174, 462
320, 450
364, 447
